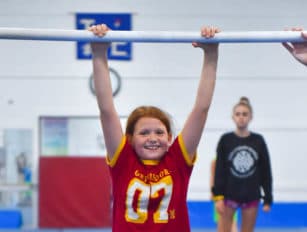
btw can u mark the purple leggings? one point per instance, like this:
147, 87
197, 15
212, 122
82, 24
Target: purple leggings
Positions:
244, 205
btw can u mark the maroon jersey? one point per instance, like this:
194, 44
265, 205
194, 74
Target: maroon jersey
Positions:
148, 195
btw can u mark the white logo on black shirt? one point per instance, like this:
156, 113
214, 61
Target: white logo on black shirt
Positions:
243, 161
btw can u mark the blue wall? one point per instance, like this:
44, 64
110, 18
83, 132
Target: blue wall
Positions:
282, 215
10, 218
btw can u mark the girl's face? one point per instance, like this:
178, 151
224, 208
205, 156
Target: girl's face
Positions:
150, 139
241, 117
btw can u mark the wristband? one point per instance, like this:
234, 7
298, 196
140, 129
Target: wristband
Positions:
218, 198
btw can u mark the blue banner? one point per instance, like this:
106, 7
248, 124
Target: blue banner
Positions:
120, 21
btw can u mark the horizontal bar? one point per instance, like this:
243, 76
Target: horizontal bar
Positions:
149, 36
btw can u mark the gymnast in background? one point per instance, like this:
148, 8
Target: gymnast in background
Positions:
298, 50
242, 170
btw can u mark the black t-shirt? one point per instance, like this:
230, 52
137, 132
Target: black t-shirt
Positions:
243, 168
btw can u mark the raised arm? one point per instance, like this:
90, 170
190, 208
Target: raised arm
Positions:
298, 50
195, 122
110, 121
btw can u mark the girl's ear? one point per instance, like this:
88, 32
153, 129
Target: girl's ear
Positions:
233, 118
129, 138
170, 137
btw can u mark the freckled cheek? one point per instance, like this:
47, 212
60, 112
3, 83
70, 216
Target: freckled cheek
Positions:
139, 150
136, 144
165, 144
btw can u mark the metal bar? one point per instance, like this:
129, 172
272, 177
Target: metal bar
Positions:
150, 36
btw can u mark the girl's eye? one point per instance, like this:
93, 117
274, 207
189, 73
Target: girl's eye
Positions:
147, 132
159, 132
244, 114
144, 132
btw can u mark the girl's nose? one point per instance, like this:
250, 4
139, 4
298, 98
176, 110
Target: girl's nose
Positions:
152, 138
